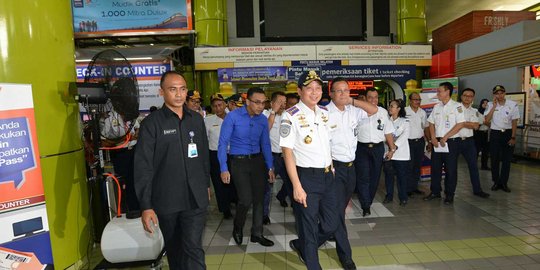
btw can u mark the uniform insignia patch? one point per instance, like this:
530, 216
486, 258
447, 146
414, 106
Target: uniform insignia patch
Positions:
459, 109
285, 121
292, 110
284, 130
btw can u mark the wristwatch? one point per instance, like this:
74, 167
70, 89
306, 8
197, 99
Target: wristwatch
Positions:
272, 112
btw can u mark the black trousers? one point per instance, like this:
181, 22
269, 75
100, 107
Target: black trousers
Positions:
123, 163
368, 163
319, 220
345, 183
449, 160
501, 155
482, 146
250, 178
416, 149
183, 233
225, 193
468, 149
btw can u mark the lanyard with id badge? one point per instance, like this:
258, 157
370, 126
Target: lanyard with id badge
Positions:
192, 147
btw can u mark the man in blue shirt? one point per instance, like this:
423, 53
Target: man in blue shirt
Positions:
245, 132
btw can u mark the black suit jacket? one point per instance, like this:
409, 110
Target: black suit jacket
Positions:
166, 179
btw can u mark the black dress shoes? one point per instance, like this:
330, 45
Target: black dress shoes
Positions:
403, 203
266, 220
432, 196
387, 200
366, 211
495, 187
448, 200
294, 247
348, 265
237, 235
505, 188
283, 202
482, 194
417, 191
227, 214
262, 241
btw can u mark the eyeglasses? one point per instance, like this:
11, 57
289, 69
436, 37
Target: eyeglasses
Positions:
258, 102
196, 101
416, 99
467, 95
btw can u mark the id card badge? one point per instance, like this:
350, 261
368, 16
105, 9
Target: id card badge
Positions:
192, 150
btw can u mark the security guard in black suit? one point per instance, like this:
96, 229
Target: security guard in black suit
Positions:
172, 175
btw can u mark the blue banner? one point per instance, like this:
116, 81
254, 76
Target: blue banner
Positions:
90, 16
142, 71
397, 73
252, 74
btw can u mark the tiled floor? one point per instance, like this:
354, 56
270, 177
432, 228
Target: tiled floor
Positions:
502, 232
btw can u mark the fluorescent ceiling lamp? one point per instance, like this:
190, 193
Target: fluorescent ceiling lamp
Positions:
260, 83
82, 60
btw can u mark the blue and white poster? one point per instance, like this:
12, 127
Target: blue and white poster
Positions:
106, 17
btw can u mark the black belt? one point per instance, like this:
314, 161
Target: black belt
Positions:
342, 164
250, 156
370, 145
315, 170
501, 130
451, 139
277, 154
415, 140
466, 138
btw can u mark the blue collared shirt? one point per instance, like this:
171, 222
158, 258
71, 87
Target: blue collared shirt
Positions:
245, 135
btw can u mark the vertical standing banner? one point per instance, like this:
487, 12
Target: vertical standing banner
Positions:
24, 227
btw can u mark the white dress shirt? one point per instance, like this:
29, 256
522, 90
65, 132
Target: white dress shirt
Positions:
471, 115
274, 131
373, 128
342, 126
417, 121
401, 138
306, 132
213, 128
503, 115
445, 117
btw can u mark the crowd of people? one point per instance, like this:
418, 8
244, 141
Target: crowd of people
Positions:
322, 154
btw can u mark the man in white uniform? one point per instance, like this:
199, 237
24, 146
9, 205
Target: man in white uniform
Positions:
503, 114
305, 142
467, 147
445, 121
372, 132
418, 129
344, 119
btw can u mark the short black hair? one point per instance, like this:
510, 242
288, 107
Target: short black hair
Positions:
468, 89
338, 79
410, 95
254, 90
292, 95
170, 72
448, 86
371, 89
402, 113
276, 94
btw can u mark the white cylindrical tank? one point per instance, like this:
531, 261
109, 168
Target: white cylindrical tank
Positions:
125, 240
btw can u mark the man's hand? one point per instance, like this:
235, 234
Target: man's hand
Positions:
443, 141
300, 196
271, 176
275, 106
226, 177
149, 220
512, 142
434, 142
389, 155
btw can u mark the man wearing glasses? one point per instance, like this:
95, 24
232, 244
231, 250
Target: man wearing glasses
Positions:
245, 131
371, 134
344, 117
419, 129
467, 147
194, 102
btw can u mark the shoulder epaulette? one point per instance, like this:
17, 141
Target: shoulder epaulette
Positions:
292, 110
323, 107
